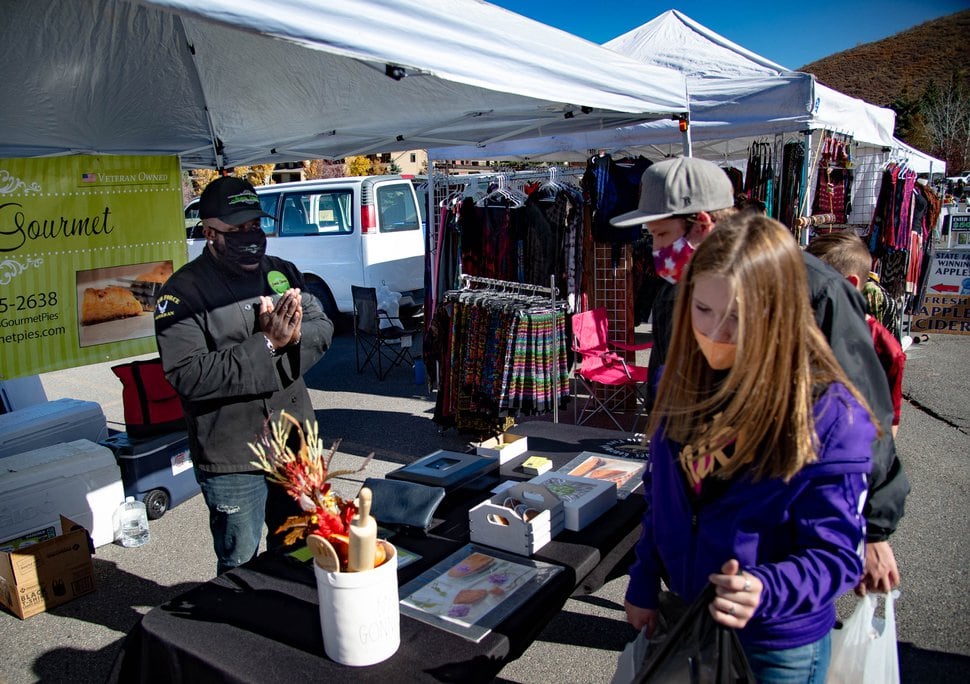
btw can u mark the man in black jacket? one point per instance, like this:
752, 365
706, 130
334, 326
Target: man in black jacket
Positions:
236, 334
681, 201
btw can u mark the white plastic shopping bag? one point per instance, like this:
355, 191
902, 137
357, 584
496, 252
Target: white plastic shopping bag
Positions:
631, 658
389, 302
864, 650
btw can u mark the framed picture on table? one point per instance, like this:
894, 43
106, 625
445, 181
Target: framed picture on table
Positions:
473, 590
625, 472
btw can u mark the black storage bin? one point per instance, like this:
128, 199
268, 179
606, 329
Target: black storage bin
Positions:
156, 470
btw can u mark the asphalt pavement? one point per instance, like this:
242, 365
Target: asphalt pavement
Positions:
78, 642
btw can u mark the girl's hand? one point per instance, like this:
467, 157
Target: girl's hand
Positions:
737, 598
641, 618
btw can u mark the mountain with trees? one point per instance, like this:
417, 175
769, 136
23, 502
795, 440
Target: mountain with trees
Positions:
923, 74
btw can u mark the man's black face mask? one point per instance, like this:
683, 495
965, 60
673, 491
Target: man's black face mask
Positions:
245, 248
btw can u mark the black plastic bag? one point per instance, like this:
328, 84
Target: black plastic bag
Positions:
697, 650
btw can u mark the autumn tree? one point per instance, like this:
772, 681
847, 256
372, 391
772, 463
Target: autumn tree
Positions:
201, 178
946, 110
363, 166
323, 168
258, 174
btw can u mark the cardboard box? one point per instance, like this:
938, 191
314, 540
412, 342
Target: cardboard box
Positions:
39, 577
495, 524
504, 447
78, 479
583, 499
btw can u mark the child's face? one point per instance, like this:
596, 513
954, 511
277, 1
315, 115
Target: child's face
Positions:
713, 309
667, 231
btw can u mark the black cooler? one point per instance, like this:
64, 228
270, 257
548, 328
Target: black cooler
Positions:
156, 470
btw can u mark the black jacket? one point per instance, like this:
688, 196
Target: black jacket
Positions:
840, 313
212, 352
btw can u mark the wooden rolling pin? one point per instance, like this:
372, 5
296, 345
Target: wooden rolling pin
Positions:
363, 535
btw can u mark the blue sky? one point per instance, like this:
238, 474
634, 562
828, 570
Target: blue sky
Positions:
790, 33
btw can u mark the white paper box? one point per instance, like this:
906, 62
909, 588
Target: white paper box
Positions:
583, 499
505, 447
80, 479
495, 525
52, 422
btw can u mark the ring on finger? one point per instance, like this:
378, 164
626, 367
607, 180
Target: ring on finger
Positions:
731, 610
747, 584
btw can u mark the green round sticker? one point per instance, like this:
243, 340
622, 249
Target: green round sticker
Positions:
278, 282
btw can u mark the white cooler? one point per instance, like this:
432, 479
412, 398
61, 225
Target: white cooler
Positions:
80, 480
52, 422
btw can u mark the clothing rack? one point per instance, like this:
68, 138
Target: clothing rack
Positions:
446, 189
469, 282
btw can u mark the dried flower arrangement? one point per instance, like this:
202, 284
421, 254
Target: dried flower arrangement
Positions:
306, 475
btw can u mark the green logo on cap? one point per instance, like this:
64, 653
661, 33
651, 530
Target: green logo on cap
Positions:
278, 282
245, 197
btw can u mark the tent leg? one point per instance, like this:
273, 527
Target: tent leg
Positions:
803, 190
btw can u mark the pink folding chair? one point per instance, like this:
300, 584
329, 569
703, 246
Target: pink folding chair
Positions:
605, 375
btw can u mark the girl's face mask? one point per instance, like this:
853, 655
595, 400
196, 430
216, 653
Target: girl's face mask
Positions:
670, 261
719, 355
241, 250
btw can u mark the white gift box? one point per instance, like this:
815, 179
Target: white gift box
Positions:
583, 499
504, 447
494, 524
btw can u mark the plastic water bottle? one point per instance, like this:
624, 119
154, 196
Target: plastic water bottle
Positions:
132, 523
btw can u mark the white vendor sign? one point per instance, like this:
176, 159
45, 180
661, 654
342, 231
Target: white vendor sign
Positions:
946, 305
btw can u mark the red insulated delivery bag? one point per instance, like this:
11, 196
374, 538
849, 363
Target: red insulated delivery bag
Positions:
152, 406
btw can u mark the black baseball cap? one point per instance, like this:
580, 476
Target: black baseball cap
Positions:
231, 200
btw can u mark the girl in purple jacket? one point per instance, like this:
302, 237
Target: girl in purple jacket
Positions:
759, 457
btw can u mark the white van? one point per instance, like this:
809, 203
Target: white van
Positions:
361, 230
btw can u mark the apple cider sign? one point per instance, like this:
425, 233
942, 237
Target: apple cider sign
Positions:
86, 243
945, 307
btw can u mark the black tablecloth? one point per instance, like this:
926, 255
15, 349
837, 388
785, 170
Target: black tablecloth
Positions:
261, 623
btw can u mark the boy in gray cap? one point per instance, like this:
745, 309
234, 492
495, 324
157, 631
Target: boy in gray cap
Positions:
681, 201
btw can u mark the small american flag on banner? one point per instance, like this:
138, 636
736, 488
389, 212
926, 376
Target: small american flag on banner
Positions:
89, 177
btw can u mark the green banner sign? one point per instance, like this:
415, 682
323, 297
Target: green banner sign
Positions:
85, 244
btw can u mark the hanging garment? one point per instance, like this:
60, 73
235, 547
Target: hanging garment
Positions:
737, 179
793, 158
613, 188
504, 352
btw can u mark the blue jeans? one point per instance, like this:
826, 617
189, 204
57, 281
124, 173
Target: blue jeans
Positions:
239, 504
807, 664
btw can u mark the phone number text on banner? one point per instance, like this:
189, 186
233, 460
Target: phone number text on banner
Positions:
85, 244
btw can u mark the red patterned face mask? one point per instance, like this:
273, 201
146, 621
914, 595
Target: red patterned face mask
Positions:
670, 261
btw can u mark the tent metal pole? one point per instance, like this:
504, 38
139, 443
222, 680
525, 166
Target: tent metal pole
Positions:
555, 352
803, 189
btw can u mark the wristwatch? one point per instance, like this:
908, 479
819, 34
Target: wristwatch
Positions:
269, 345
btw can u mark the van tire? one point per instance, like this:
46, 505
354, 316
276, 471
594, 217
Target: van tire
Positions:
319, 290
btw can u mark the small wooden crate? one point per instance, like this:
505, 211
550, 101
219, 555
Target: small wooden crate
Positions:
504, 447
493, 524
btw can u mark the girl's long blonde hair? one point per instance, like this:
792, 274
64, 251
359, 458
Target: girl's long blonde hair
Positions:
765, 403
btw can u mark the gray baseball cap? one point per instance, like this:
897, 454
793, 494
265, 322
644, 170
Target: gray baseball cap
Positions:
675, 187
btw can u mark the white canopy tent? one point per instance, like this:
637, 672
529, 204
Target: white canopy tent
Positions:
736, 97
230, 82
919, 161
734, 94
